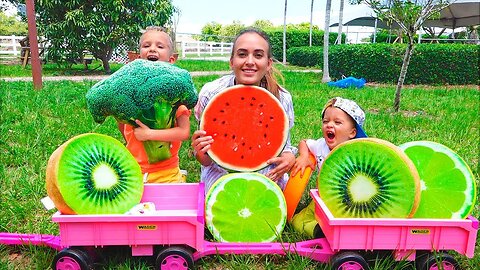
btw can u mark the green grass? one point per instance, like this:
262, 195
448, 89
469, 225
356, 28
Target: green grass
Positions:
96, 68
34, 123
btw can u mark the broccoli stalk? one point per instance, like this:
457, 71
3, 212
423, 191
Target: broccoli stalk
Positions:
148, 91
161, 115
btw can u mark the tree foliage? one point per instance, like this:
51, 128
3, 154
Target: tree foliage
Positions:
409, 15
72, 26
9, 25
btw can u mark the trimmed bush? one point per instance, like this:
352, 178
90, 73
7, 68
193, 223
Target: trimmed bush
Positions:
297, 38
430, 63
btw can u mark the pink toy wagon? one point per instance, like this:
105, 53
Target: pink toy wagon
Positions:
174, 233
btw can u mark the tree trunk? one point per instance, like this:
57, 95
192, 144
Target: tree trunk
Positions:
311, 17
403, 74
285, 35
340, 22
326, 75
106, 65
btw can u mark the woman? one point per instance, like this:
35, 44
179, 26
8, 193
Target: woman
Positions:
252, 64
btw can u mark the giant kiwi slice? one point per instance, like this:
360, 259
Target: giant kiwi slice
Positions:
93, 174
369, 178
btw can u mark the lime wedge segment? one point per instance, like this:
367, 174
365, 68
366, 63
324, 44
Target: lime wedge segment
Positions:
245, 207
448, 184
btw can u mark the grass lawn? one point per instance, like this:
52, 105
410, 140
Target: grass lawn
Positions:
34, 123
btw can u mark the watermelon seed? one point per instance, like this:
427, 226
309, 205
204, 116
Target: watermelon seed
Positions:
251, 104
253, 98
214, 119
266, 126
261, 105
223, 122
242, 98
222, 111
241, 157
243, 144
225, 135
227, 104
265, 135
234, 136
268, 143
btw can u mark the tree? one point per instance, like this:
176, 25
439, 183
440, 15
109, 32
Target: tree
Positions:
72, 26
262, 24
211, 32
409, 15
311, 17
340, 23
326, 36
9, 25
231, 30
285, 34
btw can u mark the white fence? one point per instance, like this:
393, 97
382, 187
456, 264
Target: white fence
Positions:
205, 48
10, 46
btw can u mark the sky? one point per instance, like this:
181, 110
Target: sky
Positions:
197, 13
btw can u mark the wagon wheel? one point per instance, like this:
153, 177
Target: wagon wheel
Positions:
348, 260
72, 259
440, 260
174, 258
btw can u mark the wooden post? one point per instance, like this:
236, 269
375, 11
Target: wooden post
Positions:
32, 35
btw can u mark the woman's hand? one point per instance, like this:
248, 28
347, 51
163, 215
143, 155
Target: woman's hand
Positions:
283, 163
201, 144
142, 132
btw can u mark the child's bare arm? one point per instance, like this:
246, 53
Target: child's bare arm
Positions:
302, 160
179, 133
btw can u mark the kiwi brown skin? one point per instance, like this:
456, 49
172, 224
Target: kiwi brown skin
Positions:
72, 186
51, 181
370, 164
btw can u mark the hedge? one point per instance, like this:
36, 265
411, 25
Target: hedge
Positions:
297, 38
430, 63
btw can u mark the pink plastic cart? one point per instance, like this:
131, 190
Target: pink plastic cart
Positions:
174, 233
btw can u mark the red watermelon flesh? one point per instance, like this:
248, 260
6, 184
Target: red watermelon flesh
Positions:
249, 126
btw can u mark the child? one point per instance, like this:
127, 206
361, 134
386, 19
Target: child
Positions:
342, 120
156, 45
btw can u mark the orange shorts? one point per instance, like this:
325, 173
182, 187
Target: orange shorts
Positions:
165, 176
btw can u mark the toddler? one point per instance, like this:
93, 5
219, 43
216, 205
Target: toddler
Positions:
342, 120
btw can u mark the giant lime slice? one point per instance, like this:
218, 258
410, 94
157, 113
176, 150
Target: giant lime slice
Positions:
245, 207
447, 183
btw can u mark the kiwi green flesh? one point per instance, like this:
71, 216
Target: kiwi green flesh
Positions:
97, 175
367, 180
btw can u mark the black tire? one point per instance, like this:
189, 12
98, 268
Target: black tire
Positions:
174, 258
348, 260
72, 258
430, 261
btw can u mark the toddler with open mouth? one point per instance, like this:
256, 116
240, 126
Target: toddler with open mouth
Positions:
342, 120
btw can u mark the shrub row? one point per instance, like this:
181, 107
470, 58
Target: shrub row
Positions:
429, 64
297, 38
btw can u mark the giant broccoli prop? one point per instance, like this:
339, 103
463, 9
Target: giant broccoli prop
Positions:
148, 91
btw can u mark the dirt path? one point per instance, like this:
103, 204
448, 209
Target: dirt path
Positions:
101, 77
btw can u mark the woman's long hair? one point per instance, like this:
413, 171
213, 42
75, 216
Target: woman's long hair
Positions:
269, 81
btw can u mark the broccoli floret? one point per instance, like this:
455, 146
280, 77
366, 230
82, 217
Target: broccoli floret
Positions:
144, 90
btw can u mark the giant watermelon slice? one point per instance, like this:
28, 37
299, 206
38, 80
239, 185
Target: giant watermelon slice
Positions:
249, 126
